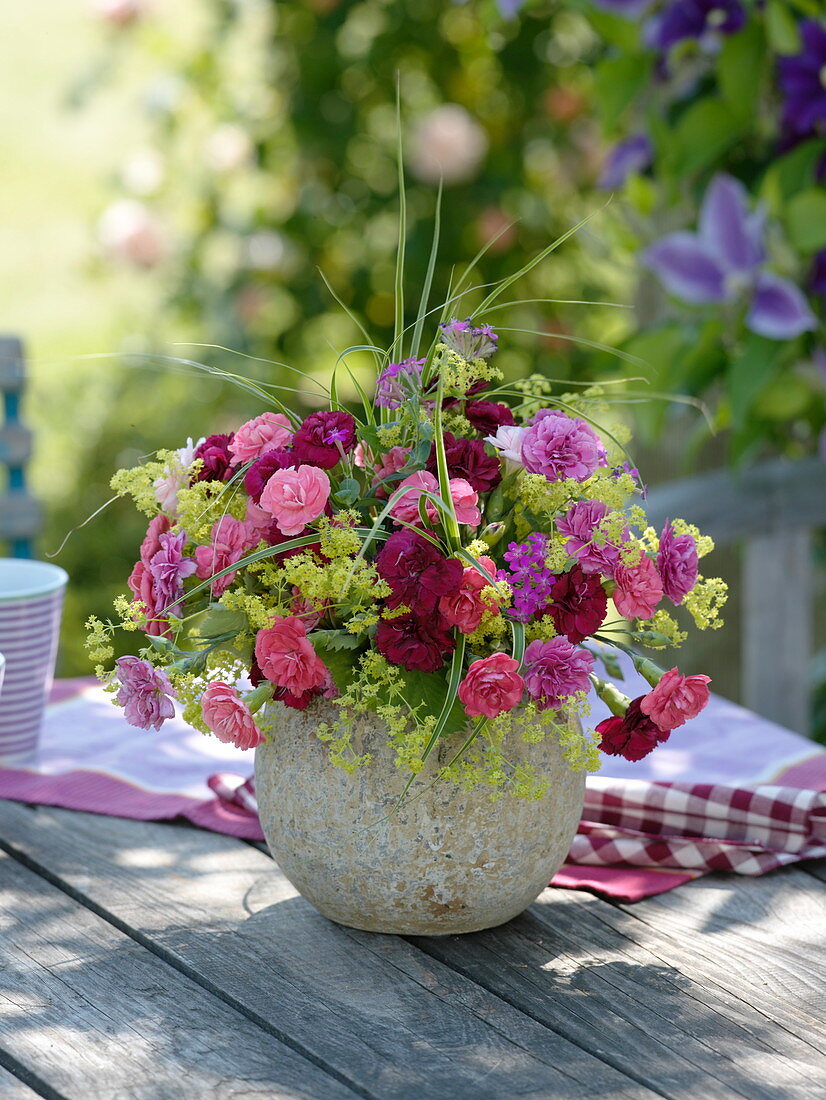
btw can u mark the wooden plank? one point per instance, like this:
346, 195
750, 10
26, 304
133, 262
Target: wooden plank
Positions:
735, 505
761, 939
576, 965
777, 626
94, 1014
12, 1088
391, 1020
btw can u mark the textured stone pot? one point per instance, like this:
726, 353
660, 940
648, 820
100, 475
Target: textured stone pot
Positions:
445, 862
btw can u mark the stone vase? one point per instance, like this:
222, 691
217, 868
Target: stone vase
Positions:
447, 861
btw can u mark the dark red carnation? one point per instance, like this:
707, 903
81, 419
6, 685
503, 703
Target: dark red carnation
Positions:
468, 458
415, 643
324, 437
263, 468
633, 736
488, 416
417, 573
216, 460
578, 604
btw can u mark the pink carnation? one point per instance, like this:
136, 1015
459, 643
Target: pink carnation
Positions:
464, 608
492, 686
286, 657
228, 716
580, 527
266, 432
145, 693
465, 499
406, 508
390, 463
295, 497
676, 699
141, 581
678, 563
639, 589
560, 446
231, 538
556, 670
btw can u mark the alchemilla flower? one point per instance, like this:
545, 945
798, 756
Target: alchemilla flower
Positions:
450, 584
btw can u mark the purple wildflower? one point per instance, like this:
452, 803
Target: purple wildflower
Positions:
817, 275
704, 20
145, 693
529, 576
561, 446
802, 82
469, 342
556, 670
168, 568
724, 261
398, 382
580, 526
628, 158
677, 563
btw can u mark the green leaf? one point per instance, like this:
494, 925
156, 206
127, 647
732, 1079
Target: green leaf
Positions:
617, 83
739, 64
749, 373
341, 663
335, 639
217, 621
794, 172
430, 688
348, 491
806, 220
703, 134
781, 28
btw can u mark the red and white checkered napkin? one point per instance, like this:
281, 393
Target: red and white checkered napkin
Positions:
698, 826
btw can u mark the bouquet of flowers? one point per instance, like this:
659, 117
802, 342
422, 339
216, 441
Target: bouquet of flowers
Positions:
445, 558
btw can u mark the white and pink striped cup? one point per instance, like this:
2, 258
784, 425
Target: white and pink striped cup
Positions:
31, 601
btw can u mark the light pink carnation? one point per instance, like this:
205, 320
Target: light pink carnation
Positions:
286, 657
229, 718
257, 519
264, 433
639, 589
508, 442
465, 607
406, 508
465, 499
492, 686
145, 693
295, 498
390, 463
676, 699
231, 538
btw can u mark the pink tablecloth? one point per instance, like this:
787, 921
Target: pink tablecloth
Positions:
92, 760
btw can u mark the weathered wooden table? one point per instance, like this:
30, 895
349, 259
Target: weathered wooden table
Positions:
155, 961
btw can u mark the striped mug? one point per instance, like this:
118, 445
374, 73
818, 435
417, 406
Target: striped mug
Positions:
31, 601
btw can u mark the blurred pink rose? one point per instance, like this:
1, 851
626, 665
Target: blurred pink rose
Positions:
639, 589
492, 686
286, 657
228, 716
131, 233
676, 699
449, 144
295, 498
267, 432
119, 12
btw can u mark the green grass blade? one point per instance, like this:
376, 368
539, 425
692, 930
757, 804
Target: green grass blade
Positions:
399, 278
428, 280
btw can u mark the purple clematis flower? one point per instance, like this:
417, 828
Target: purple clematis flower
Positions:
723, 261
802, 79
817, 275
630, 156
704, 20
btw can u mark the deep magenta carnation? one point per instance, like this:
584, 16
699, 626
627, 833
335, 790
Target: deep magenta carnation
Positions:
488, 416
578, 604
417, 644
217, 462
633, 736
468, 458
324, 438
417, 573
261, 471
